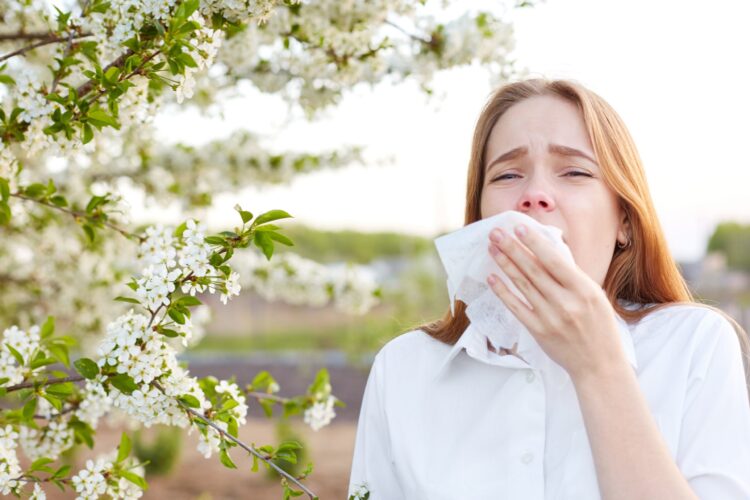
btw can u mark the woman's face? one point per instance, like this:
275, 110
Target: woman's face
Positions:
548, 180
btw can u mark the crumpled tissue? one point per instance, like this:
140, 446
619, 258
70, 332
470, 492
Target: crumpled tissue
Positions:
467, 261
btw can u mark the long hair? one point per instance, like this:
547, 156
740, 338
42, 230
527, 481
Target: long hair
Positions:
643, 272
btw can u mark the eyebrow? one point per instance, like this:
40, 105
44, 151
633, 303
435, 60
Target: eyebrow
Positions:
558, 149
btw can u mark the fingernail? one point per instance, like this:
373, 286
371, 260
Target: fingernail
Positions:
492, 279
497, 235
521, 230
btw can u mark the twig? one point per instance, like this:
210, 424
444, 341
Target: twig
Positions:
9, 37
41, 43
50, 381
402, 30
76, 214
242, 445
263, 395
59, 414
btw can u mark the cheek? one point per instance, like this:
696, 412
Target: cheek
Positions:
494, 202
592, 253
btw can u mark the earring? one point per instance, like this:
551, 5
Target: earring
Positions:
623, 246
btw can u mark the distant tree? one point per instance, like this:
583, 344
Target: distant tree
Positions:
732, 239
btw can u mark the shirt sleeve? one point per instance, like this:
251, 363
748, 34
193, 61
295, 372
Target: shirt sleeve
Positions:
372, 465
714, 445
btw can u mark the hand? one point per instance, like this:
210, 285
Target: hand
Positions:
570, 316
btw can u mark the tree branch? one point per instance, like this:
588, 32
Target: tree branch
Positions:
410, 35
50, 381
242, 445
50, 39
80, 215
263, 395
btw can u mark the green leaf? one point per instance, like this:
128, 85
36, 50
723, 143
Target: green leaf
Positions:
123, 383
62, 389
62, 471
29, 408
101, 118
233, 427
87, 368
187, 8
190, 401
5, 213
35, 190
15, 354
124, 449
264, 242
95, 202
215, 240
127, 299
168, 333
60, 353
134, 478
246, 216
59, 201
281, 239
180, 229
4, 189
41, 360
267, 406
87, 133
40, 463
90, 234
270, 216
187, 60
48, 328
226, 459
83, 432
54, 401
188, 300
176, 315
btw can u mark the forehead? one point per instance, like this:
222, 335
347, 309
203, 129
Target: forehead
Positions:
536, 122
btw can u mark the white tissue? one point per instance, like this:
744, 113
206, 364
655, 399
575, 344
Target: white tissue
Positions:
467, 261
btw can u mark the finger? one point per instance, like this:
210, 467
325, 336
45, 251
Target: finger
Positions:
550, 258
529, 264
529, 291
524, 313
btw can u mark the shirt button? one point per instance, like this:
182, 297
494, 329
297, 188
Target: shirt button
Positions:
530, 376
527, 457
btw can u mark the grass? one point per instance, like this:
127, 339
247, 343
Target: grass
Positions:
360, 335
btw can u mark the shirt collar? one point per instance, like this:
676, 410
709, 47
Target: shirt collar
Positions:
476, 346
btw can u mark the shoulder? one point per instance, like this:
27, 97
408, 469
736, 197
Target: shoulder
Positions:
698, 318
410, 344
409, 354
701, 332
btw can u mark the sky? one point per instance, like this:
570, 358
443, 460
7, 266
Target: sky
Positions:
676, 72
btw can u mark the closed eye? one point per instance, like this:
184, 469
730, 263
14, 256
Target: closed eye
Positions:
574, 172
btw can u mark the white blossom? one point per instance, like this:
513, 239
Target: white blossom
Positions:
10, 468
90, 482
320, 413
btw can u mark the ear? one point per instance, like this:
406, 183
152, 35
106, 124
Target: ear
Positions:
624, 231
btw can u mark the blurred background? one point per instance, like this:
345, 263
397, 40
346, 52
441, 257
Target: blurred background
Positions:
677, 73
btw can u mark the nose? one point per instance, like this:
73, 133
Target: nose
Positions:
535, 198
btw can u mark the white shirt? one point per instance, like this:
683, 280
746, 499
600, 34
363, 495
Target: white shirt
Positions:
461, 422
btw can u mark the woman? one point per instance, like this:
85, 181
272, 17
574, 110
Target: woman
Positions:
442, 420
